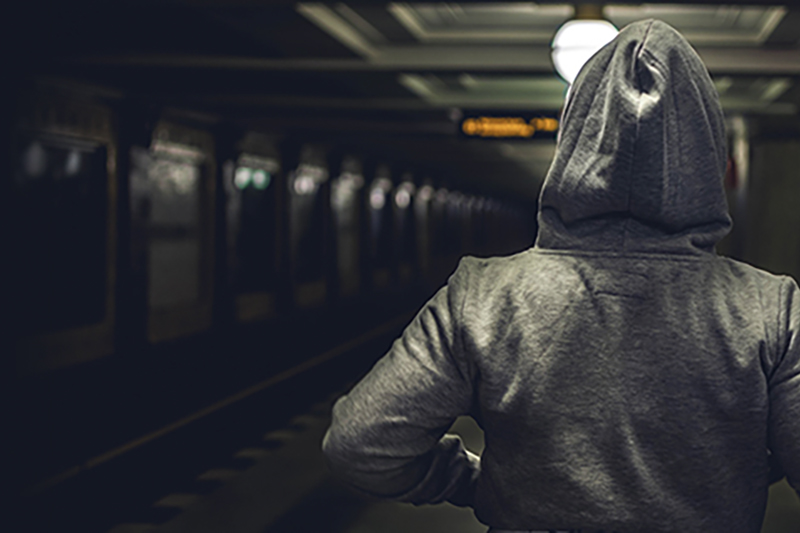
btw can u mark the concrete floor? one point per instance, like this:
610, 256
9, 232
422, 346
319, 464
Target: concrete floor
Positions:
288, 490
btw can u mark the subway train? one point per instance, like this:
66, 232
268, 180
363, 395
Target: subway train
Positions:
164, 262
140, 225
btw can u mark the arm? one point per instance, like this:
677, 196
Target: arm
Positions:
387, 435
784, 389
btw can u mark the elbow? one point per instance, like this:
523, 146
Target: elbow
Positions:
350, 461
345, 443
339, 452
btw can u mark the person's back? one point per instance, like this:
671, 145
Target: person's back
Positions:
623, 391
626, 377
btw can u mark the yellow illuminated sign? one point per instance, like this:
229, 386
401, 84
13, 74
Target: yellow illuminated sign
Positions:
507, 126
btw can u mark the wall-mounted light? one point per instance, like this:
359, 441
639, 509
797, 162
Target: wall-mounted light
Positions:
377, 198
261, 179
403, 194
307, 178
378, 191
579, 39
242, 177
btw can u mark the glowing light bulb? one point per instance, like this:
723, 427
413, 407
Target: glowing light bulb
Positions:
377, 198
304, 185
576, 42
425, 193
242, 177
73, 163
402, 198
261, 179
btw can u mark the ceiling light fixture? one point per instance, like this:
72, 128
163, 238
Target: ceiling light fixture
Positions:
579, 39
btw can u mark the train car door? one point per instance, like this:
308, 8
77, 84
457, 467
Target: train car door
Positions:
494, 227
454, 232
423, 227
252, 226
346, 211
404, 230
479, 226
172, 197
63, 194
440, 234
307, 213
468, 215
458, 215
379, 200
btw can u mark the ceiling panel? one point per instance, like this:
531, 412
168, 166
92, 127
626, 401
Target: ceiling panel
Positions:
490, 22
706, 24
516, 36
545, 93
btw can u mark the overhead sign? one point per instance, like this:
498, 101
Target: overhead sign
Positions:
508, 127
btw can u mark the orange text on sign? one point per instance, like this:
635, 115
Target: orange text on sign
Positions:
507, 126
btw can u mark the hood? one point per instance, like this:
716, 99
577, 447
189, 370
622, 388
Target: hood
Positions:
641, 152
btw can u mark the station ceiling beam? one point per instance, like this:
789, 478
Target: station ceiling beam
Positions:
446, 58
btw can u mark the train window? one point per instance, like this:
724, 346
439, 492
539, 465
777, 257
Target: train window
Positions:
252, 222
440, 223
165, 190
381, 227
307, 228
468, 212
346, 215
171, 198
479, 225
422, 202
61, 202
404, 229
455, 222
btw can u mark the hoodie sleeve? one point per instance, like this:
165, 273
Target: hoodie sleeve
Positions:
387, 437
784, 388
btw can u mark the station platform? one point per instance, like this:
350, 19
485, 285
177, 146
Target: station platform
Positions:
288, 489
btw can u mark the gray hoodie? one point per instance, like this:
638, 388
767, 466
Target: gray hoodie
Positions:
625, 376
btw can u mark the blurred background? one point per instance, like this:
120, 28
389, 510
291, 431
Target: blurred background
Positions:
224, 211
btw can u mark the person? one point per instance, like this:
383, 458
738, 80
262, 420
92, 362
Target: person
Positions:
626, 377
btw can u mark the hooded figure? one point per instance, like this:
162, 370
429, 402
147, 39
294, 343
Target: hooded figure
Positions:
625, 376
